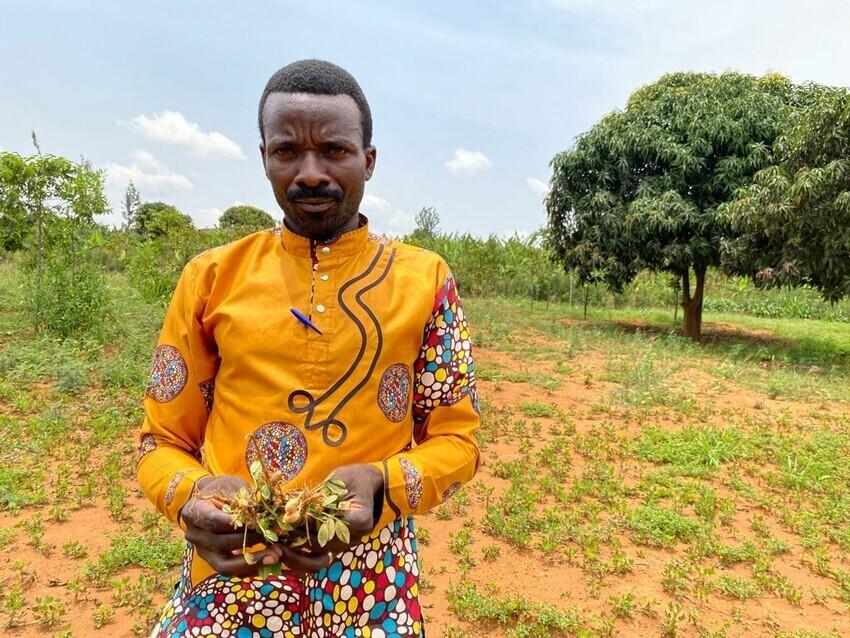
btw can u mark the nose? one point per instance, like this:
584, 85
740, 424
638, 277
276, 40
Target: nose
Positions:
311, 171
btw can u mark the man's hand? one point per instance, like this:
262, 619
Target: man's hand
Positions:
212, 533
365, 488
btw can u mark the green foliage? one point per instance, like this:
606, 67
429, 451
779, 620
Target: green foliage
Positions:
641, 189
515, 266
658, 526
792, 224
155, 219
696, 451
427, 225
155, 265
245, 217
524, 617
59, 200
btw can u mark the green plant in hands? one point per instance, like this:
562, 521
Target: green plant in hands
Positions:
288, 515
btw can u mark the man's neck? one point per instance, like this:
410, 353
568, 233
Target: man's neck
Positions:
351, 224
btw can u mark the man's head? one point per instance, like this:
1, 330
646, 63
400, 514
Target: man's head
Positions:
316, 132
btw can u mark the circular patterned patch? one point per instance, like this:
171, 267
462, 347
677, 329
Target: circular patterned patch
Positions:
168, 374
394, 392
282, 445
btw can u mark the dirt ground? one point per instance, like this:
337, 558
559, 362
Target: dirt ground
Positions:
582, 396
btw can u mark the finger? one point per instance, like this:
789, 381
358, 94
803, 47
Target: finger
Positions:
298, 560
204, 514
237, 565
221, 543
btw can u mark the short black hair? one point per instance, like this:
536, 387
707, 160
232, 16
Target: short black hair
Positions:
319, 78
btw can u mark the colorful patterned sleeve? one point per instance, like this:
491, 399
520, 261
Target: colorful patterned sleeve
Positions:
177, 401
444, 454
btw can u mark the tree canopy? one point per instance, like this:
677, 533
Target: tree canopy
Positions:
244, 216
155, 219
792, 224
642, 188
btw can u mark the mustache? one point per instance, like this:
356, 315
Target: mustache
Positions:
323, 192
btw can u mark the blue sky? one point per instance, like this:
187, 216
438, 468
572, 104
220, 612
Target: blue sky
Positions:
470, 99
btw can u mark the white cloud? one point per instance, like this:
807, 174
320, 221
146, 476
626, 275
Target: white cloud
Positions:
171, 127
148, 174
386, 218
538, 186
206, 217
467, 162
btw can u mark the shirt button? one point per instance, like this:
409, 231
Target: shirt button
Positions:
323, 277
320, 308
326, 250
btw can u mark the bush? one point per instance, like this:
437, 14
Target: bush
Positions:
69, 299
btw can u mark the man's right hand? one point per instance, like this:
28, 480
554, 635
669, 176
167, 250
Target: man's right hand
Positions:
212, 533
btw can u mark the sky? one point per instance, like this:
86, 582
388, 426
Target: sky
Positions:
470, 100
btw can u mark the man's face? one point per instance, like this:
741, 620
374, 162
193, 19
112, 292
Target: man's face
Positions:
314, 158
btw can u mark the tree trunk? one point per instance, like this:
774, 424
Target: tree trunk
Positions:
692, 304
586, 293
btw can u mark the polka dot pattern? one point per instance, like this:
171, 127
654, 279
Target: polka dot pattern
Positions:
168, 374
147, 444
282, 445
412, 482
394, 392
207, 391
444, 372
371, 590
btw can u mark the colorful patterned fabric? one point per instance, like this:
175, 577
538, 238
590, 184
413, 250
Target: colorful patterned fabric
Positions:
412, 482
282, 447
368, 387
207, 389
451, 490
147, 444
168, 374
444, 371
394, 392
370, 590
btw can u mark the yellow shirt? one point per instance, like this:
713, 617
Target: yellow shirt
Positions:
386, 377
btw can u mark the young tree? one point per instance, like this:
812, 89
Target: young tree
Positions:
59, 200
427, 221
641, 189
245, 217
792, 224
131, 203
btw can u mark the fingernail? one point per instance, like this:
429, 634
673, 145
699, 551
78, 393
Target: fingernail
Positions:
269, 560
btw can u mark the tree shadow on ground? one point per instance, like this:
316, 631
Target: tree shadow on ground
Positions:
735, 341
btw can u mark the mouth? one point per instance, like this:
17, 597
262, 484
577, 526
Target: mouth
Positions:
315, 205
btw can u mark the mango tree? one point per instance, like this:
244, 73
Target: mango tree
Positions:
641, 189
791, 226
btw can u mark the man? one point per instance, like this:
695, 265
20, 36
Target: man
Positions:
324, 350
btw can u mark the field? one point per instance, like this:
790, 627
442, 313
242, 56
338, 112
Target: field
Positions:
633, 483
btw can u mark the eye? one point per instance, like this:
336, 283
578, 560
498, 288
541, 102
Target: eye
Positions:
336, 151
285, 151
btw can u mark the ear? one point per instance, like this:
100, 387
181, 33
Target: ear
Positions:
371, 157
263, 158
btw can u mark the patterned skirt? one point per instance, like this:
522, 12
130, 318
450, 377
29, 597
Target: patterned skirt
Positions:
371, 590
